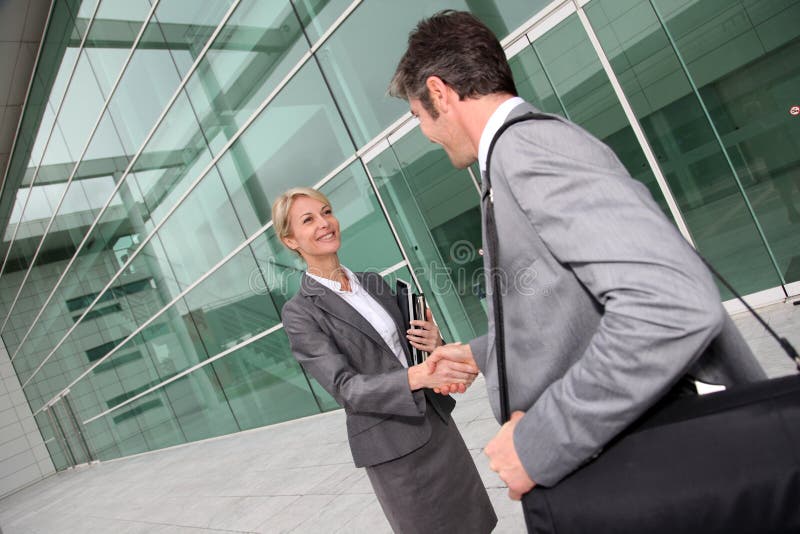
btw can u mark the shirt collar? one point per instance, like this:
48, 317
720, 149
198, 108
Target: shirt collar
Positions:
336, 286
492, 125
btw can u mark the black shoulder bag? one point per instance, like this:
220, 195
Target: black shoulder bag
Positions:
726, 462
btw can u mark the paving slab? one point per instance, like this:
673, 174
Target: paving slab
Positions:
295, 477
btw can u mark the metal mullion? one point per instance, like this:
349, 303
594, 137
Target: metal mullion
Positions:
124, 176
76, 427
190, 287
537, 18
180, 200
333, 27
156, 315
25, 100
49, 136
59, 431
474, 181
724, 150
80, 158
635, 126
396, 267
187, 371
18, 129
197, 282
391, 224
300, 63
400, 125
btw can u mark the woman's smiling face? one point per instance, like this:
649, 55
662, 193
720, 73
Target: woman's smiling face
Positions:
313, 230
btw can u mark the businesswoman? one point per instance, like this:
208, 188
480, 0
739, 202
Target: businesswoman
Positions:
347, 331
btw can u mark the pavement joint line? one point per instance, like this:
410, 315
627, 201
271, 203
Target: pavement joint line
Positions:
166, 524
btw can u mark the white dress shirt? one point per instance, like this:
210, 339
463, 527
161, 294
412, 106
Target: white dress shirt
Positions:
369, 309
492, 125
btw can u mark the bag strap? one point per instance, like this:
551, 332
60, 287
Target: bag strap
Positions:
493, 247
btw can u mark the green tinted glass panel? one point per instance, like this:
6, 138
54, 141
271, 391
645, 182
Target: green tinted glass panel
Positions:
746, 74
351, 51
361, 222
259, 44
297, 140
143, 425
200, 406
696, 167
117, 133
52, 441
57, 58
111, 36
264, 384
435, 209
318, 15
585, 93
201, 231
280, 269
230, 306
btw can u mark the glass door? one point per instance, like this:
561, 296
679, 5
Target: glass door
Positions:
67, 433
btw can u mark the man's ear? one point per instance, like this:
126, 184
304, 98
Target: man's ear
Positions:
438, 91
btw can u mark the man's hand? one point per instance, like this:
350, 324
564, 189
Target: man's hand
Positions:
453, 352
504, 461
438, 373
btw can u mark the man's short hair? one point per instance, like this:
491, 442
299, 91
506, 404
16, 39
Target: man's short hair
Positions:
458, 48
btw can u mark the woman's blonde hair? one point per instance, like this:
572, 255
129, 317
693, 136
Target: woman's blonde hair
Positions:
282, 205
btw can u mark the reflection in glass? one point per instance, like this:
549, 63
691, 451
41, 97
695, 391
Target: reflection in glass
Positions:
298, 139
264, 384
351, 51
682, 138
261, 42
435, 209
746, 72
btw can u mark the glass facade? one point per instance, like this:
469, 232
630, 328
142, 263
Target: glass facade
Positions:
141, 280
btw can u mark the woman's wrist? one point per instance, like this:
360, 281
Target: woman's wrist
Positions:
415, 377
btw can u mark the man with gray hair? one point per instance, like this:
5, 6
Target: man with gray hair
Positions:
620, 307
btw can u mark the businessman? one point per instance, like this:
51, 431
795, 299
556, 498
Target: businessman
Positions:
616, 308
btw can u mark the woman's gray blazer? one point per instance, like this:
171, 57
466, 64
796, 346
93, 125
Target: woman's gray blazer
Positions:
347, 356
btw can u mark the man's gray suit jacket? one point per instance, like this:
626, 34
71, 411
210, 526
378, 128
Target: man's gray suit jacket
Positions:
347, 356
606, 305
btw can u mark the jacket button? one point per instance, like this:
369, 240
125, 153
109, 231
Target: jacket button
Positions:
480, 252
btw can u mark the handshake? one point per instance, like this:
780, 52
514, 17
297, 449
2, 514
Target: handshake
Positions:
449, 369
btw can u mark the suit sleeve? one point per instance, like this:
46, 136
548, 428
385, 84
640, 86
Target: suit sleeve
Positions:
660, 305
479, 348
385, 393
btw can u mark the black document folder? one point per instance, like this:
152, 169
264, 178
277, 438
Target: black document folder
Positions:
412, 306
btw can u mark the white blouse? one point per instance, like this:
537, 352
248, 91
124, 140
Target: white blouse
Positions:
369, 309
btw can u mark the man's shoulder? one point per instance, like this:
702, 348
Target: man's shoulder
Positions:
551, 136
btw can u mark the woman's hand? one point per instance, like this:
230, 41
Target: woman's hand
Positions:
425, 336
443, 375
456, 352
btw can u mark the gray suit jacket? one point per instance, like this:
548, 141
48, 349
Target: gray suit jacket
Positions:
347, 356
606, 306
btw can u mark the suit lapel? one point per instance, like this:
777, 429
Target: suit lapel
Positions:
376, 287
336, 306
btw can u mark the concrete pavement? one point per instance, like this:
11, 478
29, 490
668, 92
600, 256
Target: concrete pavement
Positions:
294, 477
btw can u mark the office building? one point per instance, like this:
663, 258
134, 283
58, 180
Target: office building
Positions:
141, 280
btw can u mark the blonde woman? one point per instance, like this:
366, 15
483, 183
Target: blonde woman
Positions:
346, 330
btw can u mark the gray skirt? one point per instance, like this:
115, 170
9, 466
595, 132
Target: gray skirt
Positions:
436, 488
